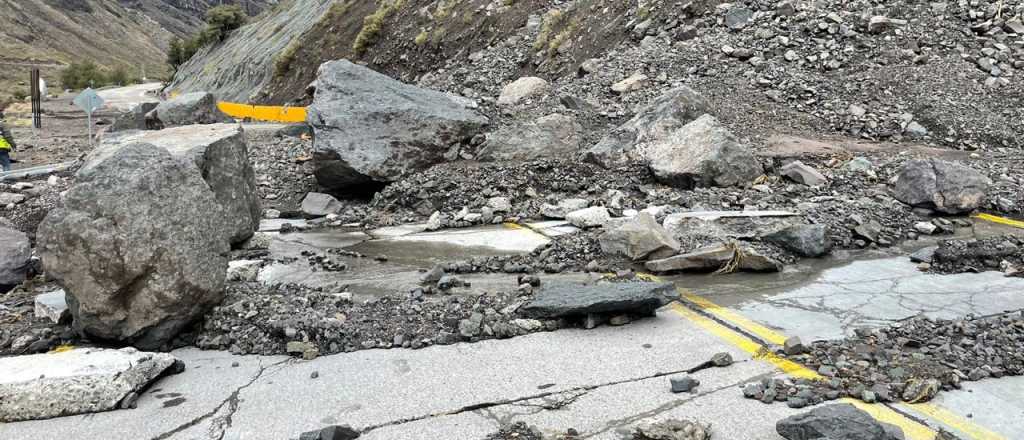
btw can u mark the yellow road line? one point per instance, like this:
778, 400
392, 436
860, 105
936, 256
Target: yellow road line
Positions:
880, 412
1000, 220
911, 428
953, 420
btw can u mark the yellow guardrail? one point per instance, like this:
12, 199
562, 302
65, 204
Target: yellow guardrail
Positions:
269, 113
1000, 220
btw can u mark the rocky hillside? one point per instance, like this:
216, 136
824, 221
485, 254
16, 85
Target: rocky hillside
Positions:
941, 72
133, 34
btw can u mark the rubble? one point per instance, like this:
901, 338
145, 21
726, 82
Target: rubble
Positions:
187, 109
672, 429
79, 381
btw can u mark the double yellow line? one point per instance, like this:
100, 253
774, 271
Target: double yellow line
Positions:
734, 328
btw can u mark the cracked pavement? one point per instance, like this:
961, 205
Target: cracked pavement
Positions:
600, 382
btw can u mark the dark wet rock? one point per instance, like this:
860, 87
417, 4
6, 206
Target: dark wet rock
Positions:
15, 256
683, 384
219, 151
942, 186
804, 240
371, 128
721, 360
187, 109
655, 122
556, 300
342, 432
794, 346
839, 421
702, 153
639, 238
139, 247
85, 380
672, 429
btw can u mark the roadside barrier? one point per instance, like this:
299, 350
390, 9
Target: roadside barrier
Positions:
263, 112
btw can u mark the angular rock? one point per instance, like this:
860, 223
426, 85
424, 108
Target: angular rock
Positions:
342, 432
139, 246
52, 306
942, 186
79, 381
639, 238
870, 231
15, 256
924, 255
729, 224
523, 88
794, 346
11, 198
839, 421
879, 24
672, 429
551, 136
244, 270
319, 204
804, 240
557, 300
188, 109
801, 173
589, 217
221, 153
654, 122
702, 153
371, 128
683, 384
738, 17
564, 207
134, 119
635, 81
702, 260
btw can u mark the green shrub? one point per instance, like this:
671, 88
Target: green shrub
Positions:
373, 23
82, 75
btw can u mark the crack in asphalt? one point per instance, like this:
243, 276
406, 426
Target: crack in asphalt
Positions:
484, 407
221, 423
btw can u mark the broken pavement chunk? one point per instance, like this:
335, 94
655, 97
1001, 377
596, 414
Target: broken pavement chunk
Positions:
79, 381
557, 300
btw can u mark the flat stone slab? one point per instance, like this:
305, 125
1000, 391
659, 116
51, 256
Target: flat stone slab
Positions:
79, 381
566, 299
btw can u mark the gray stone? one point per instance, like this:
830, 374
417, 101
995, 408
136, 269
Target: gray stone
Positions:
564, 207
870, 231
721, 359
634, 82
134, 119
738, 17
11, 198
926, 228
15, 256
654, 122
343, 432
672, 429
638, 238
800, 172
745, 225
879, 24
139, 246
319, 204
557, 300
523, 88
244, 270
471, 327
942, 186
804, 240
551, 136
499, 204
794, 346
188, 109
839, 421
80, 381
702, 153
52, 306
924, 255
221, 153
371, 128
683, 384
915, 130
706, 259
588, 217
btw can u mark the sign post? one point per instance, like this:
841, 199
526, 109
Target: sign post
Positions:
89, 102
37, 99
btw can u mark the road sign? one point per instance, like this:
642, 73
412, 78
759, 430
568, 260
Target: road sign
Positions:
89, 102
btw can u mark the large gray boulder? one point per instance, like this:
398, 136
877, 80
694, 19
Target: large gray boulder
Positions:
139, 246
702, 153
838, 421
743, 225
134, 119
371, 128
943, 186
15, 253
803, 240
558, 300
219, 151
551, 136
188, 109
639, 238
652, 123
80, 381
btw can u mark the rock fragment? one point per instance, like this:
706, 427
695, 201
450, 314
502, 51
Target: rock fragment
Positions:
187, 109
52, 306
15, 256
804, 240
523, 88
639, 238
319, 204
557, 300
702, 153
943, 186
838, 421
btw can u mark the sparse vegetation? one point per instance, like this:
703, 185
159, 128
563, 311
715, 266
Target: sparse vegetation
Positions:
220, 21
551, 21
373, 24
283, 62
88, 74
563, 36
422, 37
